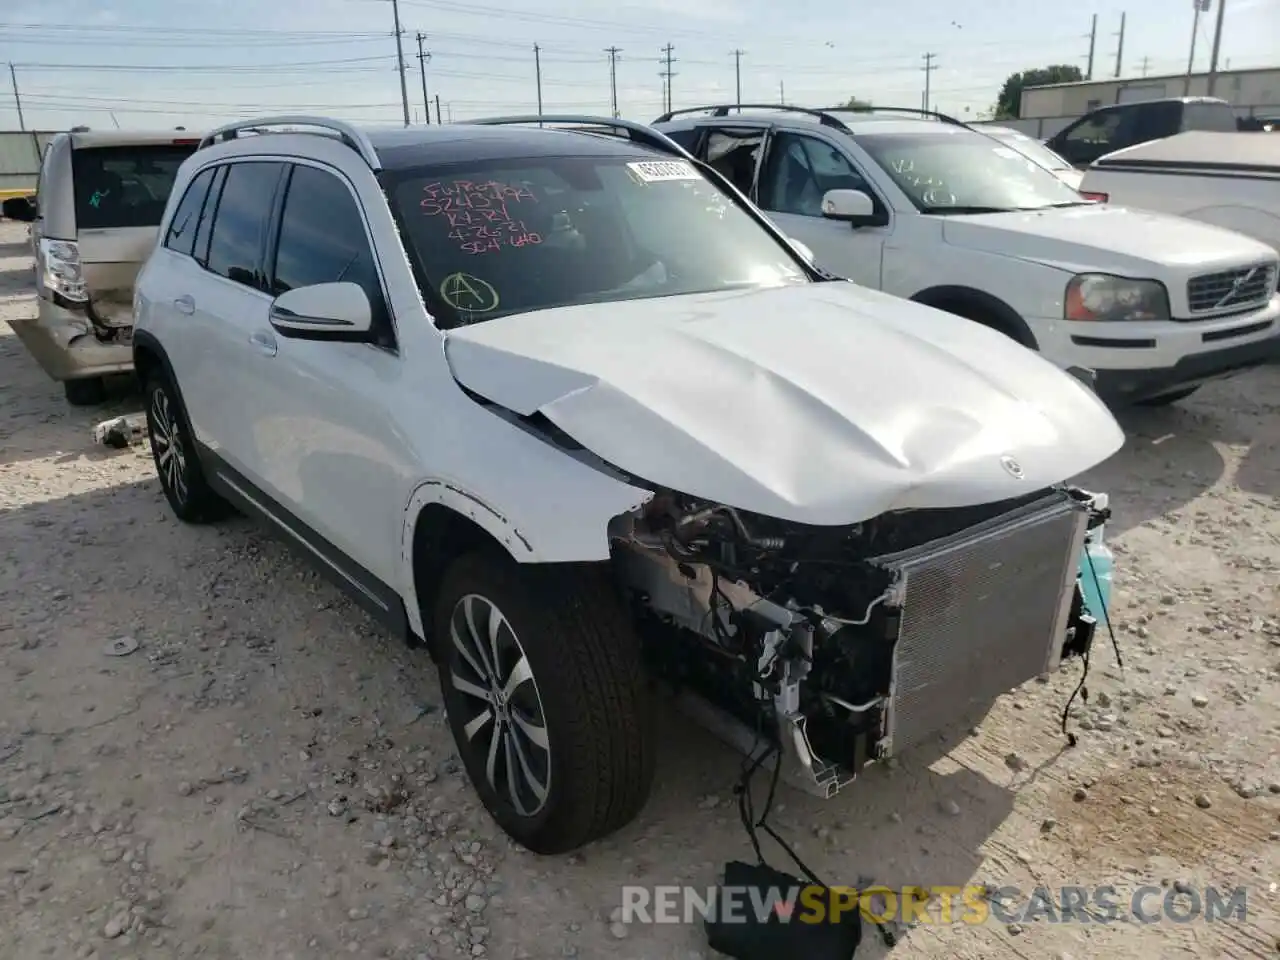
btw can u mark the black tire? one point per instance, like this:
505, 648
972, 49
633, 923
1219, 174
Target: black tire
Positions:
1167, 398
585, 686
87, 392
177, 465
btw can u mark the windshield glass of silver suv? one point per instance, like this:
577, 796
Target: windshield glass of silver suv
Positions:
490, 239
962, 172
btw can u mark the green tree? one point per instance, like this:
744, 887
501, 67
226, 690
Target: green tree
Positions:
1009, 103
853, 103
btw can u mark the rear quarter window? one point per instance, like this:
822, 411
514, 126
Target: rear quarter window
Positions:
1217, 117
125, 186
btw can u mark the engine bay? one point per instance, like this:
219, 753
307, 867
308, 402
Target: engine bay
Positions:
844, 644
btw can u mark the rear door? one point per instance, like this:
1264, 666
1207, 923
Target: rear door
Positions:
222, 300
120, 196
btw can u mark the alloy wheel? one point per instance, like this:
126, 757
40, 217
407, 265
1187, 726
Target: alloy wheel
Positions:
167, 445
502, 717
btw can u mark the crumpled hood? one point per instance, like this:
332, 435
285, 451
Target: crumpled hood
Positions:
822, 403
1104, 238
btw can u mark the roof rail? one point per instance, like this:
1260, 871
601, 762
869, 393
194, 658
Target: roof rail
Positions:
350, 135
934, 114
823, 114
722, 110
636, 132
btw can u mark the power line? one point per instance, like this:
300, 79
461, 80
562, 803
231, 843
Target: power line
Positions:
613, 77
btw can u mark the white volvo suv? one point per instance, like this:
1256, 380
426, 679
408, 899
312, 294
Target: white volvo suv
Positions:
557, 401
939, 212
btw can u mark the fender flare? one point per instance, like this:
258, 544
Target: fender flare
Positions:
442, 493
954, 298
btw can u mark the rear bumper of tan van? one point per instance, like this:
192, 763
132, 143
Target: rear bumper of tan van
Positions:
63, 343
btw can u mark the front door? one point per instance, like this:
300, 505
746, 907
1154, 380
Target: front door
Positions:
798, 170
321, 440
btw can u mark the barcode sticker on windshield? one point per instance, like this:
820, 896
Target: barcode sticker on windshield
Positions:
653, 171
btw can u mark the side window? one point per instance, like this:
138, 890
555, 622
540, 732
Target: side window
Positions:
798, 172
240, 223
322, 238
734, 153
181, 235
1095, 131
686, 138
1150, 121
205, 224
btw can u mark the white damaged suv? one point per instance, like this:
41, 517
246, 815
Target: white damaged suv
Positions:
558, 402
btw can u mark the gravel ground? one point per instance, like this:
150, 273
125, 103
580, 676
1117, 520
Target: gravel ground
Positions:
269, 776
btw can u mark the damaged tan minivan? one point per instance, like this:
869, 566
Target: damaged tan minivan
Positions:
98, 206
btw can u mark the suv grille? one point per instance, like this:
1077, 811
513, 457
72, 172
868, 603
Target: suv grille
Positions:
1231, 290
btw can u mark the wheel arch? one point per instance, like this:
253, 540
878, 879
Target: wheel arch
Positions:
148, 357
442, 522
980, 307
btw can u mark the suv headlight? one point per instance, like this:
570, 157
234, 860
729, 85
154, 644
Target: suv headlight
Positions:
60, 271
1099, 296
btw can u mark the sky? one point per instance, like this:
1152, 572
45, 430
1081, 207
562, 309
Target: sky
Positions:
197, 63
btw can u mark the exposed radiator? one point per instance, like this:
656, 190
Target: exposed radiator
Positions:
981, 613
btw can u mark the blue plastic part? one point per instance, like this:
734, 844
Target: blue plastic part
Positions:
1097, 565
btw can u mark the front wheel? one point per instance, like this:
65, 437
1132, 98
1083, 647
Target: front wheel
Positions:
542, 680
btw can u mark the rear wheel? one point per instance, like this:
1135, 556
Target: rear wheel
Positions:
172, 448
86, 392
1167, 398
542, 680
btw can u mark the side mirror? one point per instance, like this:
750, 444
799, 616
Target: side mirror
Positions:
851, 206
22, 209
324, 311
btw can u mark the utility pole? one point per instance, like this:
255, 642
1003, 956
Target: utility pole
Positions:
1093, 44
537, 70
666, 75
929, 67
782, 94
438, 120
1200, 6
1120, 47
17, 100
1217, 45
423, 57
737, 73
613, 77
404, 89
1145, 62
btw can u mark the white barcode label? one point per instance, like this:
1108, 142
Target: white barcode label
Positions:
652, 171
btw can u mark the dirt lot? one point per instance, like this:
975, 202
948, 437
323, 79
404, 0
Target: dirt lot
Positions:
268, 776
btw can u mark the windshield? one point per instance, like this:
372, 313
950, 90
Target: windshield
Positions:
957, 172
1033, 150
501, 237
125, 186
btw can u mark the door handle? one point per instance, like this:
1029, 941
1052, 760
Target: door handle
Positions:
185, 304
264, 342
